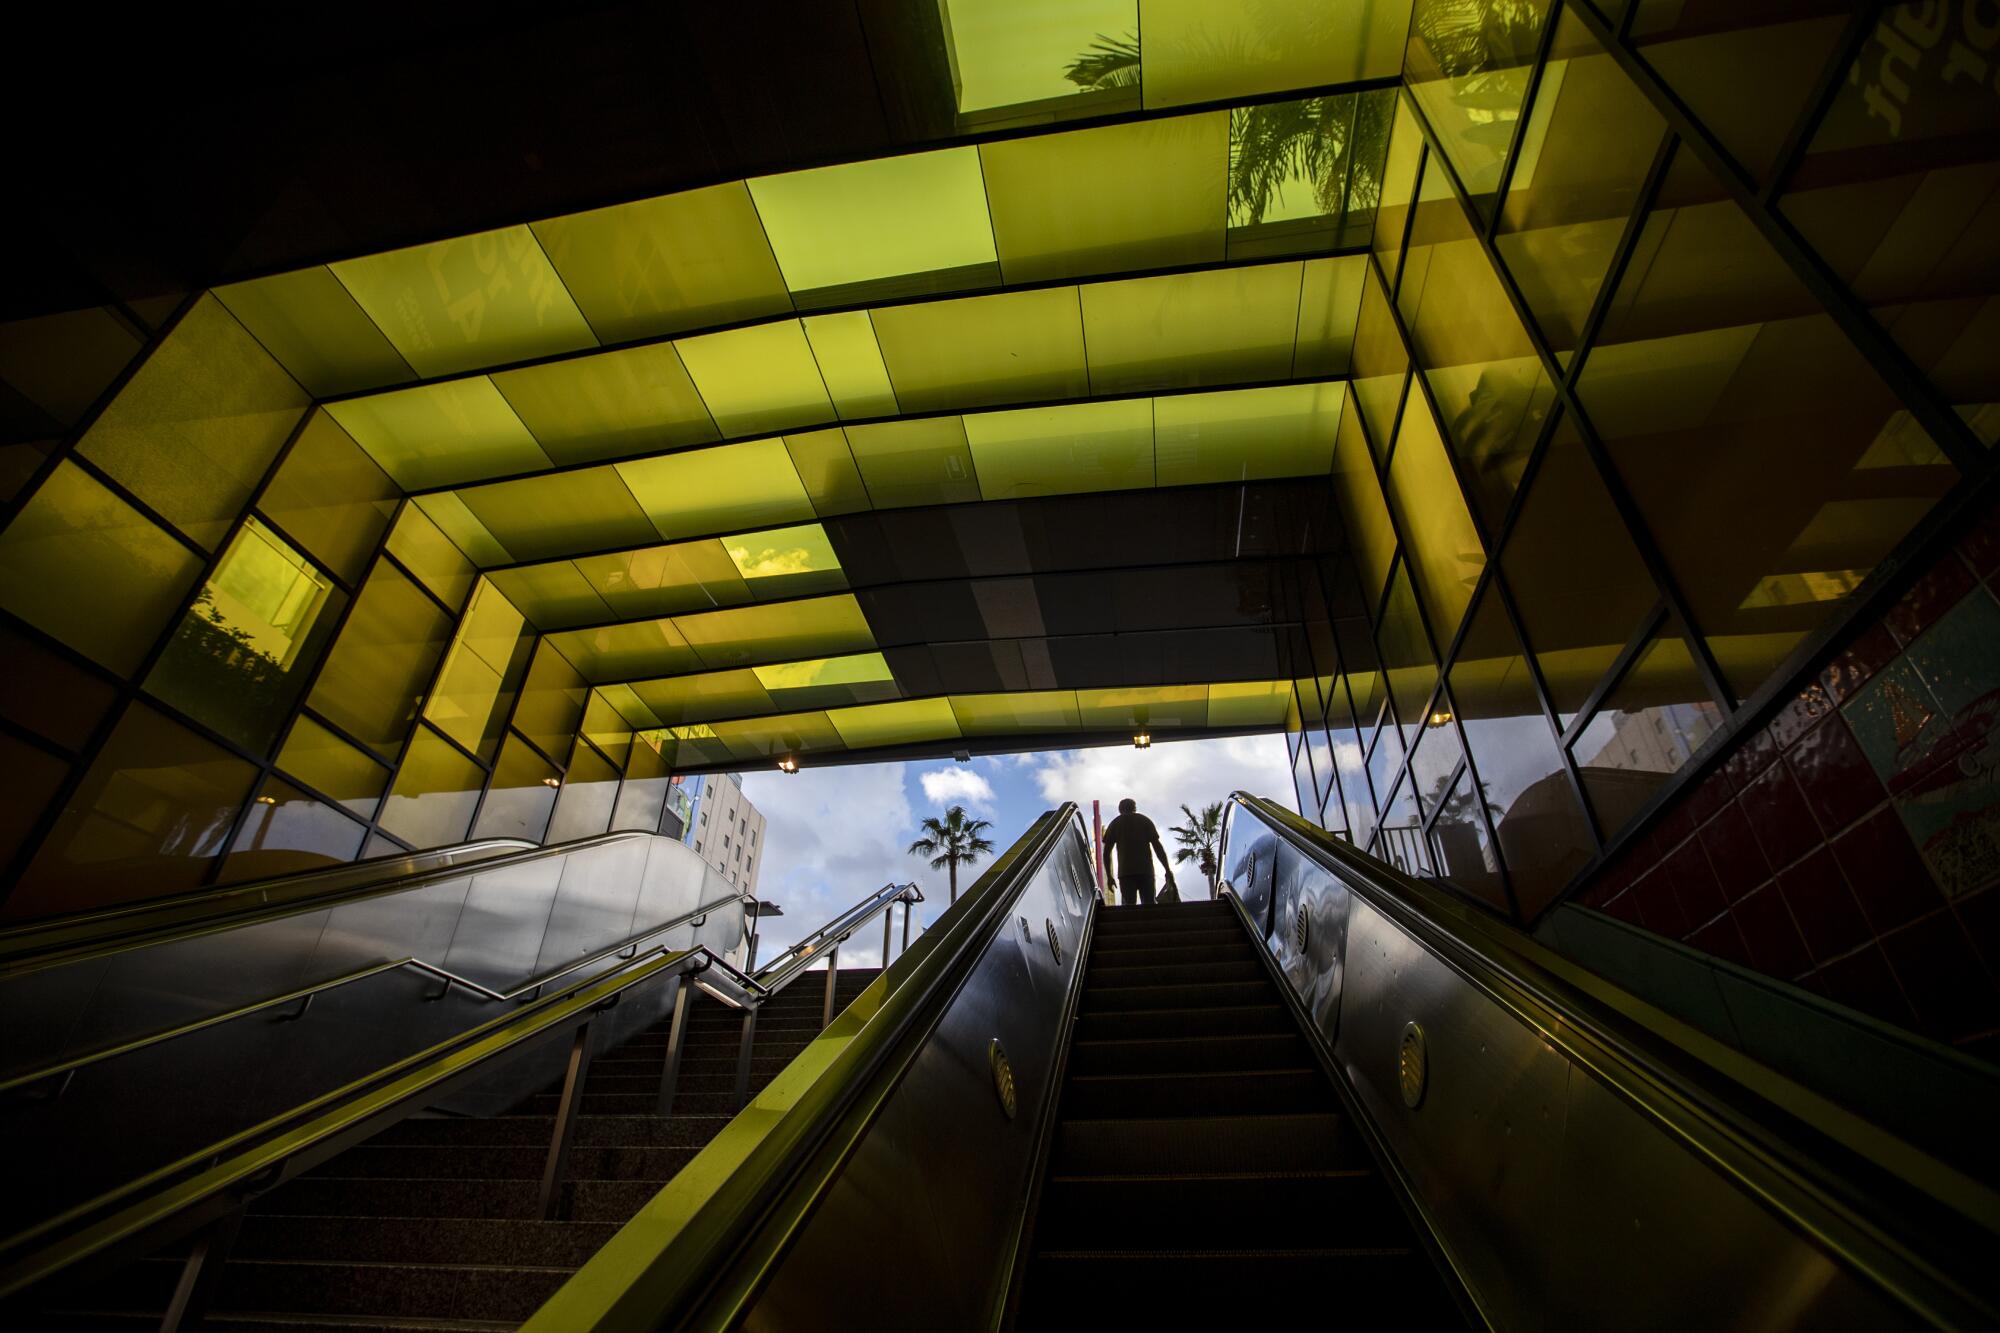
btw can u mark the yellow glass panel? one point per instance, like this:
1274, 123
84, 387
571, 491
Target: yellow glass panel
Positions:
769, 738
1399, 187
476, 686
914, 462
83, 565
665, 580
331, 498
195, 428
61, 364
583, 809
1061, 450
850, 361
1366, 518
436, 791
1381, 366
1249, 704
1156, 706
606, 726
826, 468
626, 652
1287, 430
33, 777
662, 265
307, 320
643, 794
434, 558
522, 793
903, 723
758, 379
1186, 329
553, 596
439, 434
332, 767
254, 633
1143, 195
984, 350
552, 701
698, 744
1446, 554
920, 217
1001, 714
560, 513
469, 302
1329, 305
43, 692
829, 682
1200, 51
736, 486
610, 405
1008, 52
286, 830
1471, 91
786, 562
447, 512
746, 635
704, 697
382, 662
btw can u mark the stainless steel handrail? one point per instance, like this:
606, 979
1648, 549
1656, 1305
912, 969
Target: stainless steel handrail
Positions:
1861, 1192
778, 973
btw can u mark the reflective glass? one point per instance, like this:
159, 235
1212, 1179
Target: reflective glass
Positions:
307, 320
608, 727
748, 635
919, 462
984, 350
244, 648
1302, 783
757, 379
1399, 187
331, 498
560, 513
1444, 550
1652, 722
469, 302
1248, 704
904, 723
1059, 450
1138, 709
195, 428
589, 790
1006, 53
33, 775
850, 361
1435, 755
1289, 174
382, 662
552, 701
522, 794
1462, 850
436, 790
473, 546
1006, 714
664, 580
332, 767
768, 738
643, 794
55, 367
84, 566
1407, 658
285, 831
1381, 366
1198, 51
43, 692
826, 469
1370, 538
785, 562
1287, 430
1224, 326
438, 434
1401, 836
552, 596
481, 672
626, 652
705, 697
426, 552
1467, 67
719, 490
683, 261
610, 405
1329, 304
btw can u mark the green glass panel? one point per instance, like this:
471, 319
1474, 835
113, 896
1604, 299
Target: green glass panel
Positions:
1143, 709
195, 428
610, 405
684, 261
435, 793
919, 219
1470, 85
244, 649
1406, 655
441, 434
850, 361
705, 697
771, 738
307, 320
698, 744
1648, 727
606, 726
1381, 366
665, 580
552, 701
1249, 704
1288, 430
1289, 174
1358, 494
758, 379
560, 513
481, 672
1143, 195
149, 818
286, 831
743, 636
1445, 550
332, 767
381, 664
1187, 329
829, 682
84, 566
1007, 53
626, 652
462, 528
725, 489
915, 462
434, 558
552, 596
1399, 187
48, 694
984, 350
331, 498
786, 562
643, 794
826, 468
1329, 306
1005, 714
56, 366
1199, 51
905, 723
469, 302
589, 791
1061, 450
522, 794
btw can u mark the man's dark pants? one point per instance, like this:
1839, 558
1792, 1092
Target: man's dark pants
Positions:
1135, 887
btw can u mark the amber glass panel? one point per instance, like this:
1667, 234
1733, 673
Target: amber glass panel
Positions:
826, 469
1381, 366
552, 701
1540, 828
32, 778
1366, 519
719, 490
1197, 51
56, 367
589, 791
441, 434
452, 517
1181, 330
331, 498
610, 405
1329, 303
1467, 67
481, 673
1399, 188
382, 663
1061, 450
1591, 138
307, 320
850, 361
904, 723
332, 767
606, 727
1444, 549
523, 793
984, 350
436, 789
643, 795
1717, 372
195, 428
1577, 580
84, 566
1406, 654
1650, 725
149, 818
47, 694
562, 513
664, 580
757, 379
244, 649
915, 462
1290, 173
286, 831
430, 555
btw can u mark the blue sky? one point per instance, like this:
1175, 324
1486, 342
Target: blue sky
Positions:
835, 834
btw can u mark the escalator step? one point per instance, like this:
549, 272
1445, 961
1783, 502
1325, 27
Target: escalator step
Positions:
497, 1162
1215, 995
1240, 1019
406, 1291
1312, 1210
1207, 972
592, 1131
1129, 940
1186, 1288
1165, 1096
423, 1240
1199, 1054
1198, 1145
1156, 955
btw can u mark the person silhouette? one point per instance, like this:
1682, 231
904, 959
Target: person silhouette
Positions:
1133, 836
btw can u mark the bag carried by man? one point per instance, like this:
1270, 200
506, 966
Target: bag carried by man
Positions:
1170, 894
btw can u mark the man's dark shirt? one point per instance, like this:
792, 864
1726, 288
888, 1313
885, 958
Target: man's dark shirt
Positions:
1133, 835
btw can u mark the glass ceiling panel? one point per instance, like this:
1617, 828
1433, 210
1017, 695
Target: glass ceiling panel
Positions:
561, 513
552, 595
1329, 304
1287, 430
666, 580
1008, 348
1201, 51
717, 490
698, 744
1062, 450
1185, 329
758, 379
850, 361
313, 327
999, 714
786, 562
609, 406
920, 462
1144, 195
745, 635
826, 469
768, 738
471, 301
437, 434
464, 531
1248, 704
906, 723
662, 265
705, 697
633, 651
891, 225
1008, 53
829, 682
1156, 706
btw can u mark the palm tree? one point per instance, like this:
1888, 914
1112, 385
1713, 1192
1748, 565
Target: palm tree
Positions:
1198, 839
952, 840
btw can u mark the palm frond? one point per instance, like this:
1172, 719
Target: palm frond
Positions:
1108, 62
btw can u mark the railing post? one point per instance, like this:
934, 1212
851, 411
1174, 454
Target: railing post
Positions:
908, 907
670, 1072
888, 920
200, 1274
743, 1058
832, 980
566, 1113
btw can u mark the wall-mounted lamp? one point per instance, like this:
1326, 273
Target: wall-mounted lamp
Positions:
1440, 717
1143, 741
551, 782
963, 756
788, 765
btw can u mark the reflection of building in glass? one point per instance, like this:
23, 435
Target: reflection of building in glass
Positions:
726, 828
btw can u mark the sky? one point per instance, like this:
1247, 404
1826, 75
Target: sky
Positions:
834, 835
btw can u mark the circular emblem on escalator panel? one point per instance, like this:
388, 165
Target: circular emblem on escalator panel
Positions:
1412, 1066
1003, 1076
1055, 945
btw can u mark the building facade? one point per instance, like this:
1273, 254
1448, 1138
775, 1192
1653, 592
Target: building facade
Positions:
727, 828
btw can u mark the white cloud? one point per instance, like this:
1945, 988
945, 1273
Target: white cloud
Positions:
1168, 775
945, 785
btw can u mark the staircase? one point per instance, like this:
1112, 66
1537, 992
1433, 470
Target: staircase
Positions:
433, 1224
1201, 1166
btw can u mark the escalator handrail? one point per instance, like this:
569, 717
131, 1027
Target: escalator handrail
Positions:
735, 1210
78, 937
781, 971
1746, 1120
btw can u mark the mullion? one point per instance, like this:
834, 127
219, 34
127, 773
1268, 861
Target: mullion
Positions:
1490, 226
1861, 21
1614, 676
